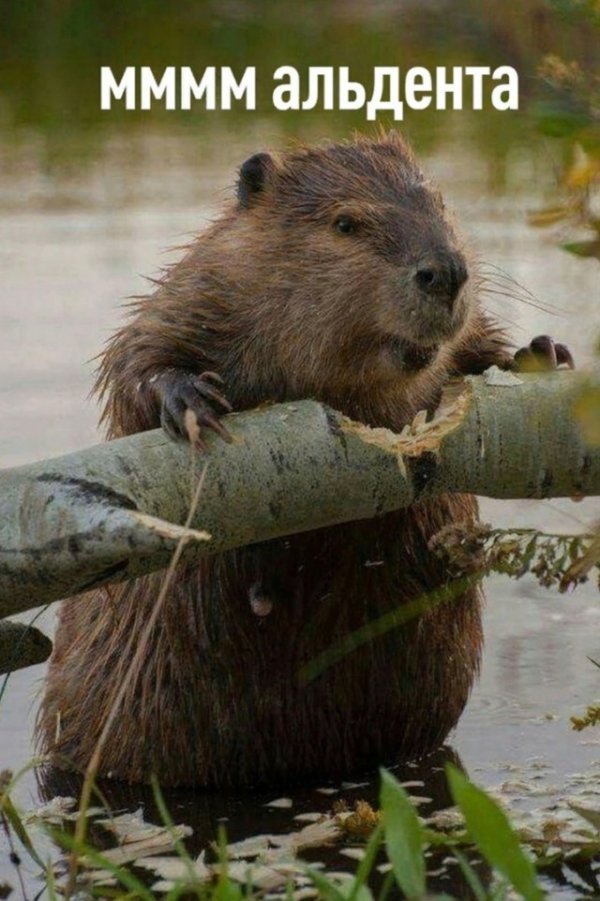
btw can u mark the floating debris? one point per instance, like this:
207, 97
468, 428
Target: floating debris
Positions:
309, 817
137, 839
252, 846
59, 810
353, 853
566, 829
281, 803
54, 812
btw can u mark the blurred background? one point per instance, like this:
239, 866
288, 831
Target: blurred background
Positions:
91, 202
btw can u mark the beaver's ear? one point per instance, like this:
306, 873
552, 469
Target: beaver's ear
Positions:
254, 175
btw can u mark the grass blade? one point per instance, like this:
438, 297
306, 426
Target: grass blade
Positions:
367, 863
489, 828
404, 837
9, 811
471, 877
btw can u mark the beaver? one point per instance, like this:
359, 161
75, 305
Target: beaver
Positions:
336, 274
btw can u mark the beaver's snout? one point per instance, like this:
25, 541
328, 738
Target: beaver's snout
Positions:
441, 275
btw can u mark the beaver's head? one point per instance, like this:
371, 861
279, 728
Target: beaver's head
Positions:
359, 267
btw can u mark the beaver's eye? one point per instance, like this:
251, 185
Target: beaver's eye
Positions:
345, 225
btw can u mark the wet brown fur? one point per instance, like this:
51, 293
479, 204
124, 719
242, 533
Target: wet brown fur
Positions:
283, 308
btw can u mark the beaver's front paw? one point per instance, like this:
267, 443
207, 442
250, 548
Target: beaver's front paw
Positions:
543, 355
183, 393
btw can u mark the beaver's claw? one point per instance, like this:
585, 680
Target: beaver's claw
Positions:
543, 355
182, 392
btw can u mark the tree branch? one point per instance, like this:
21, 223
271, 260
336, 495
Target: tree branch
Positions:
111, 512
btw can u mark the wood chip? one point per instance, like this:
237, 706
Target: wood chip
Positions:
500, 378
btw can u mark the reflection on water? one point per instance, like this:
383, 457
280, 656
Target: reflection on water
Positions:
74, 243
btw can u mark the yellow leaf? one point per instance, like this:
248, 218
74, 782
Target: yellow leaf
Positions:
587, 413
549, 216
584, 170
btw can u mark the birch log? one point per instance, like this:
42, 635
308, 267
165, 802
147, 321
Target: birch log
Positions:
115, 511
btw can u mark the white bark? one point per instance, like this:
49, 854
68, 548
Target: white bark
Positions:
111, 512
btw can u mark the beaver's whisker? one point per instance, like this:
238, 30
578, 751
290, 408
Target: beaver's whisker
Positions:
499, 277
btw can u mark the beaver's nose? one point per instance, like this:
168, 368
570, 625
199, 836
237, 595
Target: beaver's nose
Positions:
442, 275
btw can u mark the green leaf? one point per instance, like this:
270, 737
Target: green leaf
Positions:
227, 890
363, 893
327, 890
560, 117
404, 837
584, 248
592, 816
180, 890
489, 828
